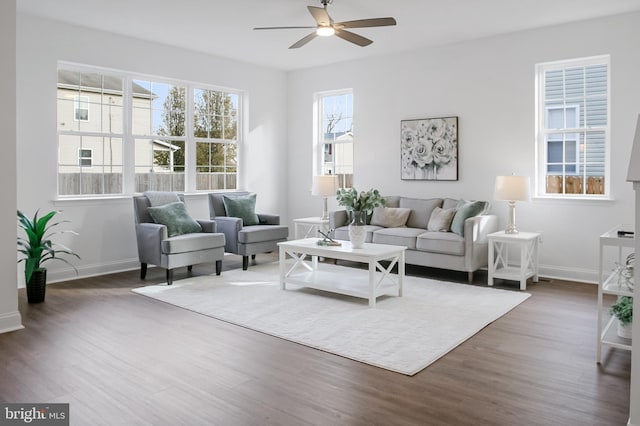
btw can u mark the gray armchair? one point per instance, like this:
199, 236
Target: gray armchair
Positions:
157, 248
243, 239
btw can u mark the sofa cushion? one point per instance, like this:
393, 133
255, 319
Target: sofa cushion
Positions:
440, 220
242, 206
420, 210
464, 211
260, 233
450, 203
175, 217
390, 217
441, 242
342, 233
397, 236
192, 242
392, 200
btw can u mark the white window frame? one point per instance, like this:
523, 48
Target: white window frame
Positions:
128, 138
85, 157
219, 141
318, 133
78, 101
576, 107
541, 133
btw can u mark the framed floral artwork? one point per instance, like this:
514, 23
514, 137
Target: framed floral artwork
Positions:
429, 149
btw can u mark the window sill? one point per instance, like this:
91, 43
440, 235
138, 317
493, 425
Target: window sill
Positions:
96, 200
572, 198
120, 198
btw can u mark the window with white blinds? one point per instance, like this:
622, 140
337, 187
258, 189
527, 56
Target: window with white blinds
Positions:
573, 128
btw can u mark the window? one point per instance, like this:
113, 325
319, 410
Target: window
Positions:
334, 136
159, 131
81, 105
573, 128
216, 136
84, 157
165, 121
101, 171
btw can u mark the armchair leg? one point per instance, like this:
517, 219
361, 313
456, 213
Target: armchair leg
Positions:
190, 268
169, 276
245, 263
218, 267
470, 277
253, 257
143, 271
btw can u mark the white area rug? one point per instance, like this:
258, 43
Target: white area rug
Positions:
402, 334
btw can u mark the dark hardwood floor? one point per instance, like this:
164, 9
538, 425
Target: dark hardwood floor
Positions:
123, 359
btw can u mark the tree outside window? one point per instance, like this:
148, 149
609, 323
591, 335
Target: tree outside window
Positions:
335, 133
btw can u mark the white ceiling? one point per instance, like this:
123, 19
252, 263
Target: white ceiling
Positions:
224, 28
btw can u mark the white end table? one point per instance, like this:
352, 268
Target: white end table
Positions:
499, 243
307, 227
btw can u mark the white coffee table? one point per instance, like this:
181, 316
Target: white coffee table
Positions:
306, 273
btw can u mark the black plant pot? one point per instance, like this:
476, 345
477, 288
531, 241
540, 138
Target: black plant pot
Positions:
37, 286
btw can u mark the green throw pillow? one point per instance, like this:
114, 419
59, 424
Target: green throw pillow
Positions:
242, 206
175, 217
464, 211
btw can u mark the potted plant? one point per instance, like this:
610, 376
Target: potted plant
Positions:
38, 248
360, 204
623, 310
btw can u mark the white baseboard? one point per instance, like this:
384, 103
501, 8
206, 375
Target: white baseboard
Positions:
10, 321
570, 274
86, 271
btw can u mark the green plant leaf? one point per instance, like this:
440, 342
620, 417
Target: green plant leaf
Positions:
38, 247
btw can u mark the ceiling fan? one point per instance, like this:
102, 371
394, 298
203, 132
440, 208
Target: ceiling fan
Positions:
326, 27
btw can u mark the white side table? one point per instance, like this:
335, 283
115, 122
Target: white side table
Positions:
308, 227
499, 243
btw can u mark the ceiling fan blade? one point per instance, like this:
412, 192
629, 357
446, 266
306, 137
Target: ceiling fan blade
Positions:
320, 15
353, 38
362, 23
303, 41
281, 28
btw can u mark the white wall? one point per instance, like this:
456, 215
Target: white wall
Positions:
9, 316
489, 85
107, 242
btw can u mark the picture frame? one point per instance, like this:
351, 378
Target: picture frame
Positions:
429, 149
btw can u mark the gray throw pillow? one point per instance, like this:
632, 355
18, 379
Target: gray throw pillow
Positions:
440, 220
242, 206
464, 211
175, 217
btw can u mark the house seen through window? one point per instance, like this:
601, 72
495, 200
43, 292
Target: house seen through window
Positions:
168, 119
335, 136
573, 128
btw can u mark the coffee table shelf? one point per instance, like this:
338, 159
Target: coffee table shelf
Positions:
306, 271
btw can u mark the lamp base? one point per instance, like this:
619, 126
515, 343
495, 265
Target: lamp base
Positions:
511, 228
325, 210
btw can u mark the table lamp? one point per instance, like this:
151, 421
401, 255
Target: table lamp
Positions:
512, 189
324, 185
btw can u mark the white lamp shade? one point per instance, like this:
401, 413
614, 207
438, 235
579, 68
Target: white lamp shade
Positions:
512, 188
325, 185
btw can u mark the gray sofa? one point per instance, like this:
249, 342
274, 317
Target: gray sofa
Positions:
466, 250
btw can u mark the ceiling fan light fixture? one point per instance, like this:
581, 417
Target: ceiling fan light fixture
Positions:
325, 31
